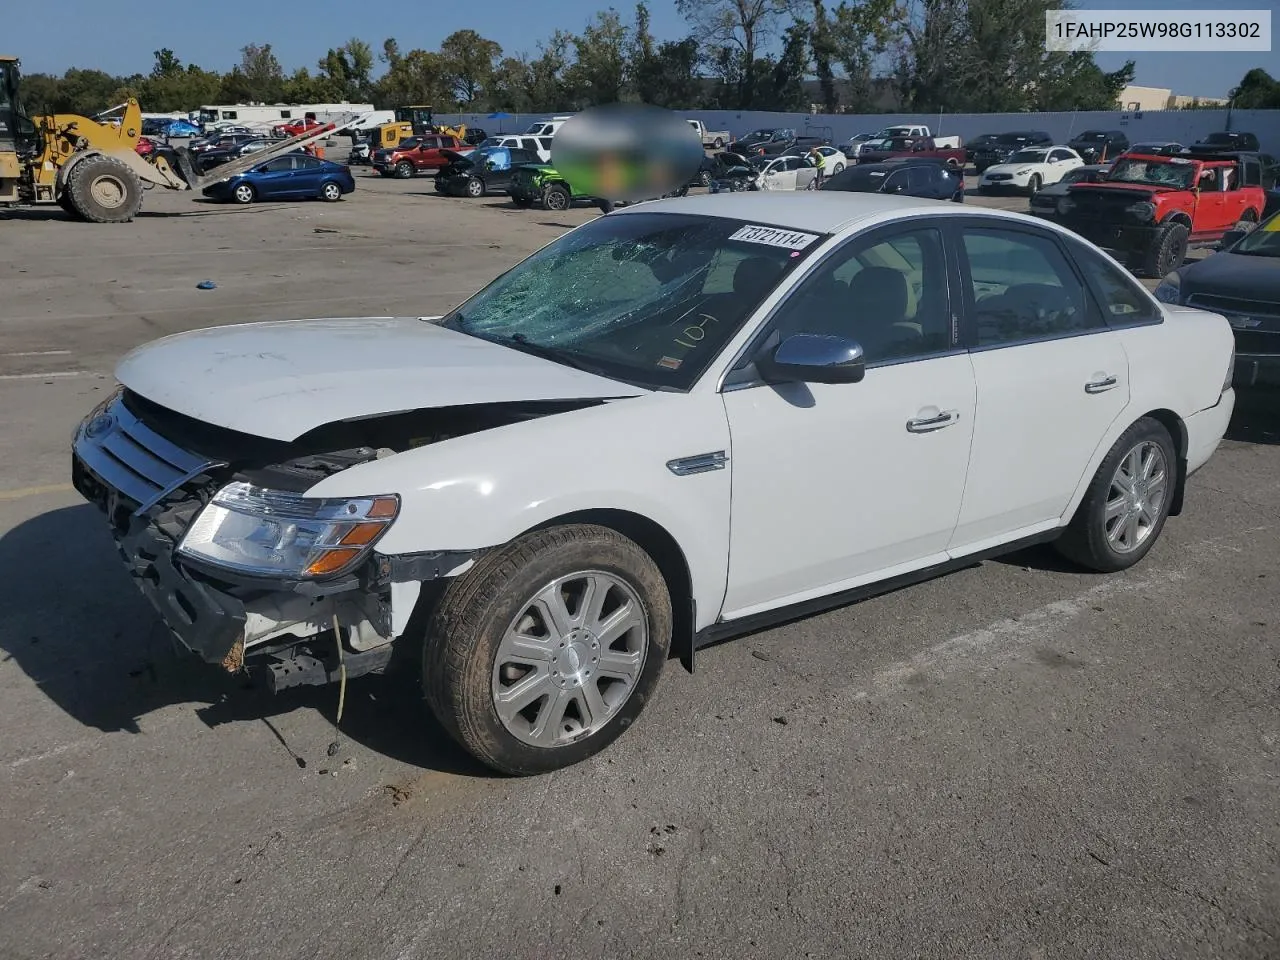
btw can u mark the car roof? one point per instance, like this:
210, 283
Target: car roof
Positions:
816, 212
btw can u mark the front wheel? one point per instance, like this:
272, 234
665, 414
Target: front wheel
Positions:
1127, 503
548, 649
475, 188
1033, 185
838, 168
404, 170
244, 193
556, 197
1167, 251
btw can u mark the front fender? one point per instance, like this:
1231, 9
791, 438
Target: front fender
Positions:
487, 488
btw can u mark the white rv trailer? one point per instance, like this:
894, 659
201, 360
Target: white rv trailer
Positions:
271, 114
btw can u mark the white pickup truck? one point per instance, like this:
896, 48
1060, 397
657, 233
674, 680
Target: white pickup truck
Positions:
914, 131
711, 138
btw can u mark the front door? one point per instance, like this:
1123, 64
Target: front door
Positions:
274, 177
1051, 379
835, 485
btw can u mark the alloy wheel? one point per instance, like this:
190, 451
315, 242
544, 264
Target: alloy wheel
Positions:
570, 659
1136, 498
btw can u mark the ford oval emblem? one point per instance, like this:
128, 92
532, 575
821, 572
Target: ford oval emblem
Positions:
98, 426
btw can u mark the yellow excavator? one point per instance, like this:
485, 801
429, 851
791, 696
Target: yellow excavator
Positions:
91, 167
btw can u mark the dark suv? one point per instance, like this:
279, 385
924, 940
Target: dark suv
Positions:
1095, 146
1002, 146
1227, 141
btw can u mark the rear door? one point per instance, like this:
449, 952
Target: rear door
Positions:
308, 172
1052, 378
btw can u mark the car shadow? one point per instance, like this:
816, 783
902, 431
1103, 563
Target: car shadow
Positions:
92, 644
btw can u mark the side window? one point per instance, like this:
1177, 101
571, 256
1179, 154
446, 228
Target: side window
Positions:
922, 178
1058, 155
1023, 288
897, 182
888, 294
229, 115
286, 114
544, 143
278, 165
1121, 298
305, 163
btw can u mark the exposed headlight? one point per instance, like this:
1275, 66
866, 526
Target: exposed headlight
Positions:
1066, 205
1169, 290
276, 533
1142, 210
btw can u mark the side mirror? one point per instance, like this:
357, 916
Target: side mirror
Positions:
813, 358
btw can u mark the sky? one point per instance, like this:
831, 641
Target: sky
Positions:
119, 37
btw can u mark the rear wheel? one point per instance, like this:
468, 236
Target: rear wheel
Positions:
548, 649
556, 197
1167, 251
331, 192
103, 190
68, 207
704, 178
719, 143
1126, 505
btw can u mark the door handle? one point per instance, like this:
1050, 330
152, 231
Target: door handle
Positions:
1100, 386
929, 424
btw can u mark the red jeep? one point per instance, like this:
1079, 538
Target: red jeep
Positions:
1150, 209
415, 154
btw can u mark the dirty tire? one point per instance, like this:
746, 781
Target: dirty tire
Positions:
718, 144
475, 188
103, 190
556, 197
1167, 251
1085, 541
404, 170
473, 616
331, 192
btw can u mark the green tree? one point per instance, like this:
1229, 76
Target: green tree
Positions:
417, 77
257, 77
861, 34
348, 70
1258, 90
735, 31
600, 67
510, 87
548, 89
822, 45
166, 65
470, 61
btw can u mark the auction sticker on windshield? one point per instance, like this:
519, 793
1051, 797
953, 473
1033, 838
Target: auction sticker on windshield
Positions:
773, 237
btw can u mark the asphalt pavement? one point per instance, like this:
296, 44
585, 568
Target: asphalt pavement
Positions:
1018, 760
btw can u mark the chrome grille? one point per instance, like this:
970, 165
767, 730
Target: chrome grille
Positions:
131, 458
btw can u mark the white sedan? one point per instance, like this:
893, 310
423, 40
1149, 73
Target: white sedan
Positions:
787, 172
1029, 170
678, 422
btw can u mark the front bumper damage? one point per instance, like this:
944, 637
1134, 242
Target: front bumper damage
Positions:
285, 632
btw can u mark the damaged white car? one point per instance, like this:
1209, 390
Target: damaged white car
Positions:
678, 422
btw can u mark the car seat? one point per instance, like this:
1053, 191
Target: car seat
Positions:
877, 299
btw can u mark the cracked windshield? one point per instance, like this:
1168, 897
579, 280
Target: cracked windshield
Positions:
1177, 175
645, 298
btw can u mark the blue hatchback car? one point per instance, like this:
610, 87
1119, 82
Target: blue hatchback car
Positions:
295, 176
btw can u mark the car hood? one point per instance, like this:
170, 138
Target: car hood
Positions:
1055, 190
456, 159
283, 379
1239, 275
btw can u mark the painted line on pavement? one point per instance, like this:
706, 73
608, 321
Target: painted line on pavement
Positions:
24, 492
55, 375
